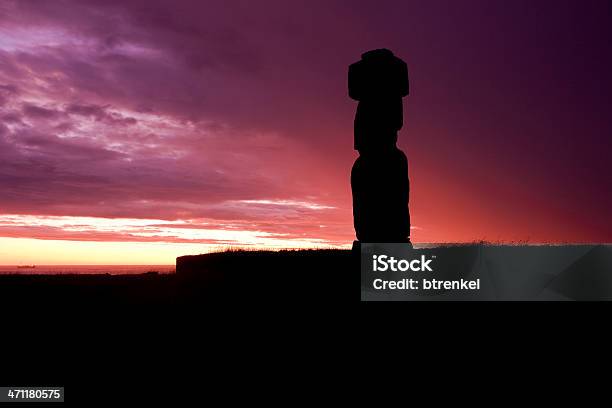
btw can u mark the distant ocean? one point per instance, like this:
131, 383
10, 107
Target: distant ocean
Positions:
86, 269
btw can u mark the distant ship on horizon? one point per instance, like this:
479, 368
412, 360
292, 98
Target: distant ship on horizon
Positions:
26, 266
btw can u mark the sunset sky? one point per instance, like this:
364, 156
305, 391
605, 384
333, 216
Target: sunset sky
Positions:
138, 131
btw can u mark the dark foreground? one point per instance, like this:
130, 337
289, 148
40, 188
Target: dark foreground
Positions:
90, 332
231, 277
312, 277
224, 314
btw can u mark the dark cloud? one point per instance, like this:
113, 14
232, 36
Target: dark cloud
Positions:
39, 112
174, 110
99, 113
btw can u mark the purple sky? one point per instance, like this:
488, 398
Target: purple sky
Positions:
234, 116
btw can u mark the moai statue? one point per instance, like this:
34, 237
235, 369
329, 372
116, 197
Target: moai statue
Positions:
379, 178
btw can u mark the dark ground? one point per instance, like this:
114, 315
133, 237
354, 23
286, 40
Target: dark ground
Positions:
229, 277
93, 332
172, 337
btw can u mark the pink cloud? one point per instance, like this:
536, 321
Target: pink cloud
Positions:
235, 113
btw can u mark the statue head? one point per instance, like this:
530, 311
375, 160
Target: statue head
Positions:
379, 74
378, 81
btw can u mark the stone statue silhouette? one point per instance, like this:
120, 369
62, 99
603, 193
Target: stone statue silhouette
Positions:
379, 178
